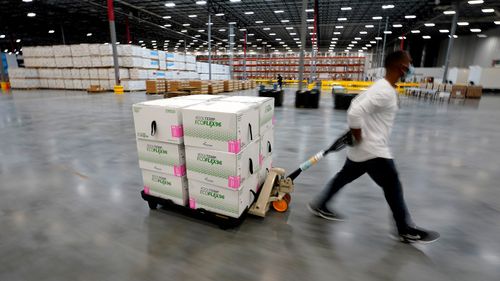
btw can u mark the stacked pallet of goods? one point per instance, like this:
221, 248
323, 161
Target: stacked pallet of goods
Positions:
215, 87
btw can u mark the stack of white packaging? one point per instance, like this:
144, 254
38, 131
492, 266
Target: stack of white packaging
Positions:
160, 145
266, 130
222, 155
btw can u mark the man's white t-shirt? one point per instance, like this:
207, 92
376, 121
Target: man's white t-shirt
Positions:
373, 111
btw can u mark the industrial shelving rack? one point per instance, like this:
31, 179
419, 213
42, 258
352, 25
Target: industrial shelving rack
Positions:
329, 66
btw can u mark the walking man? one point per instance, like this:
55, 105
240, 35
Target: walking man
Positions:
370, 118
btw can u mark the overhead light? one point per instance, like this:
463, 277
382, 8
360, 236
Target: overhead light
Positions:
482, 35
231, 35
141, 41
167, 17
293, 34
397, 25
415, 31
497, 22
50, 31
193, 16
387, 32
259, 21
310, 27
357, 38
410, 16
201, 2
310, 20
167, 25
184, 31
454, 36
444, 31
219, 14
373, 42
369, 26
336, 33
279, 11
249, 13
234, 1
289, 27
426, 37
89, 34
463, 23
349, 48
429, 24
378, 38
250, 34
364, 48
266, 28
475, 30
377, 18
339, 26
27, 1
31, 15
201, 30
390, 6
18, 40
449, 12
475, 2
335, 39
402, 37
170, 4
186, 24
342, 19
2, 36
232, 23
351, 45
285, 21
363, 32
368, 45
346, 8
243, 29
487, 11
309, 10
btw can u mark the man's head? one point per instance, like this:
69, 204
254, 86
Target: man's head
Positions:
398, 63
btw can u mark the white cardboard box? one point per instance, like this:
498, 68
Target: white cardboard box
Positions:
166, 186
223, 169
162, 157
202, 97
164, 115
218, 125
266, 109
220, 200
264, 169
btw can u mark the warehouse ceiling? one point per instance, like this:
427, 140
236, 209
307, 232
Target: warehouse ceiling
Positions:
271, 25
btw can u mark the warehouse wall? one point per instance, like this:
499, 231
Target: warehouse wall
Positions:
471, 50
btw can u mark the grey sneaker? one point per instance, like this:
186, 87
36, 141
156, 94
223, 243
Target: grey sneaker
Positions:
416, 234
325, 213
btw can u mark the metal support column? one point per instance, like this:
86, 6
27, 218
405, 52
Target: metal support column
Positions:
382, 52
245, 56
3, 77
231, 50
209, 47
112, 31
303, 30
62, 34
127, 31
450, 44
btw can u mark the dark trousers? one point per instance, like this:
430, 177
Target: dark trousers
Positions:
384, 173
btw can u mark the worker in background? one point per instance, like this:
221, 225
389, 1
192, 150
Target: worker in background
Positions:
280, 81
370, 118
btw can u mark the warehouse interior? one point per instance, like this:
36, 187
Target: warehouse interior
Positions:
115, 164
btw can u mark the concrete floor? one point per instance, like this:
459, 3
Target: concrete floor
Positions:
70, 207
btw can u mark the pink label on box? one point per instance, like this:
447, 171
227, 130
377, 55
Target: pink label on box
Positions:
146, 190
177, 131
234, 146
274, 120
179, 171
234, 182
192, 203
261, 159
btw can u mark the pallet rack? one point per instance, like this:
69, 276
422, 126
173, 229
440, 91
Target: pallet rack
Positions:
328, 66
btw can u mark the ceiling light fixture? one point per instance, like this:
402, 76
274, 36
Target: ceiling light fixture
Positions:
346, 8
285, 21
475, 30
415, 31
369, 26
279, 11
397, 25
487, 11
50, 31
377, 18
463, 23
444, 31
482, 36
342, 19
429, 24
410, 16
249, 13
475, 2
201, 2
192, 16
449, 12
170, 4
387, 32
390, 6
219, 14
363, 32
426, 37
31, 15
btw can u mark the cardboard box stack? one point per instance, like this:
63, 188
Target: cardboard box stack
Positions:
160, 147
228, 86
201, 87
219, 71
265, 106
474, 92
215, 87
222, 155
79, 66
156, 86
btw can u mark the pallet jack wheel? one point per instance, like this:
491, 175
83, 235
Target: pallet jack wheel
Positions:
280, 205
152, 205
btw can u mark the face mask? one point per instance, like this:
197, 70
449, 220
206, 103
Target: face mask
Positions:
410, 72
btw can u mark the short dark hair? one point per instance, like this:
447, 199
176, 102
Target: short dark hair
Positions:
394, 58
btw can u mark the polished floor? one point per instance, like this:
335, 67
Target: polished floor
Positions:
70, 207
